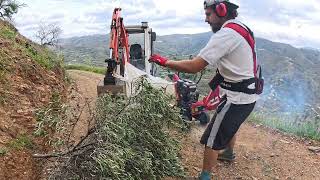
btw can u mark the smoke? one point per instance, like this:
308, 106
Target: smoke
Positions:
287, 97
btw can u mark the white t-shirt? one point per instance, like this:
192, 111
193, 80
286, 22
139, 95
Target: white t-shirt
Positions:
232, 54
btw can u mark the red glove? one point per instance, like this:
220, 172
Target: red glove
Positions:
156, 58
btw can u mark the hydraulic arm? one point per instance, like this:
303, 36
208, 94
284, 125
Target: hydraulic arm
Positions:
119, 48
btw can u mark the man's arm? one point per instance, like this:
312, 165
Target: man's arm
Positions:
189, 66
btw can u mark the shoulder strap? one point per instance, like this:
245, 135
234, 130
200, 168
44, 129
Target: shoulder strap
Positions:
247, 34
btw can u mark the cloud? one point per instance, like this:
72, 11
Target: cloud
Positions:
292, 21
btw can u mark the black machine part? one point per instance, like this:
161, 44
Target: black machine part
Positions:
109, 79
188, 94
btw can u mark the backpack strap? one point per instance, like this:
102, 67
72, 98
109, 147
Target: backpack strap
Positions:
247, 34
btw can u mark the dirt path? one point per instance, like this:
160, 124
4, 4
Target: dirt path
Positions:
86, 84
261, 153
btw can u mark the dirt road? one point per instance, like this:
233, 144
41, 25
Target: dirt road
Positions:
261, 153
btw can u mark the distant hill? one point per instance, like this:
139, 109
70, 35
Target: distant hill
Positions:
291, 73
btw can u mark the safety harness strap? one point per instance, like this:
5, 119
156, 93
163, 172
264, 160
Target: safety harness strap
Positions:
247, 34
242, 86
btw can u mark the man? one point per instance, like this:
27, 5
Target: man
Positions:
235, 59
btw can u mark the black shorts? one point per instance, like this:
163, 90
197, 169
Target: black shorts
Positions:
225, 124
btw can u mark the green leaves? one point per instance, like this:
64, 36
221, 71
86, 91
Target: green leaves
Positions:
8, 8
133, 139
48, 118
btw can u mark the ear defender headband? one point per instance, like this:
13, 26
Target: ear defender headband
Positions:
219, 6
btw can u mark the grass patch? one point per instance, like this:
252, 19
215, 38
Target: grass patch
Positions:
7, 33
43, 56
94, 69
309, 128
3, 151
21, 142
48, 118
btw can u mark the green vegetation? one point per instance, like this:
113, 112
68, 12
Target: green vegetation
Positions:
135, 138
44, 57
3, 98
3, 151
58, 142
3, 65
21, 142
48, 118
94, 69
4, 68
135, 141
8, 8
308, 128
7, 33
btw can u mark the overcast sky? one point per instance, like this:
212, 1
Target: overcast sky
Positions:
295, 22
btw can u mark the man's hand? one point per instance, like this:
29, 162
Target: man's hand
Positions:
156, 58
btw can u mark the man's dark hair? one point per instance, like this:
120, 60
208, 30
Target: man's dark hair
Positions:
232, 12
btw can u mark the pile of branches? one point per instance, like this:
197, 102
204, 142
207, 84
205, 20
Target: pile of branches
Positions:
134, 138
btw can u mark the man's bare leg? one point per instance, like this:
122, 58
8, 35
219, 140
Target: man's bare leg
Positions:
209, 161
232, 142
227, 154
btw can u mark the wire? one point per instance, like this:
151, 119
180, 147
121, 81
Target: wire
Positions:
200, 77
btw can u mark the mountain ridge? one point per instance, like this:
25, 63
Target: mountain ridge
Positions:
290, 73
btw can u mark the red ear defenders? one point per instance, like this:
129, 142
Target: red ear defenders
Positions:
221, 9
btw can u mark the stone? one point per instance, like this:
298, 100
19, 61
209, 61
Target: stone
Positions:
314, 149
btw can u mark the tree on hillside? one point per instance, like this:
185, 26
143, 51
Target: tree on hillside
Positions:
48, 34
8, 8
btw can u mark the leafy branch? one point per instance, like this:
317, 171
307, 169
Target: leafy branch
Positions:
8, 8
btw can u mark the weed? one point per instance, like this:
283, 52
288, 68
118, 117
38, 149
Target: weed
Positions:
43, 56
21, 142
3, 151
67, 78
7, 33
56, 142
3, 64
48, 118
3, 98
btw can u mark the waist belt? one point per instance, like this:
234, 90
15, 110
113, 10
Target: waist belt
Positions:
240, 86
218, 80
